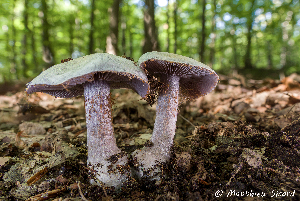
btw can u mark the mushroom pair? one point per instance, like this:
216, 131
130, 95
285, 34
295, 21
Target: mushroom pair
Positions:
94, 75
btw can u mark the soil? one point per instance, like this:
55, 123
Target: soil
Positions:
240, 142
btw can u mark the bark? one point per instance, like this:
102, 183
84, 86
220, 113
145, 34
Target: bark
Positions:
71, 35
203, 35
285, 38
175, 26
130, 43
13, 67
168, 28
48, 54
8, 76
33, 49
91, 35
150, 41
123, 27
112, 39
214, 35
247, 58
235, 55
269, 55
24, 40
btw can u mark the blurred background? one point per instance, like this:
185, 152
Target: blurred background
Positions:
256, 38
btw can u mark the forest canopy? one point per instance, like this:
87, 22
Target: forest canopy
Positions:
249, 35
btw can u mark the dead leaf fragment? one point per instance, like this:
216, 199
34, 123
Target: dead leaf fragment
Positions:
3, 160
31, 128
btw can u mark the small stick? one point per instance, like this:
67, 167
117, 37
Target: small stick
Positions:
81, 194
187, 120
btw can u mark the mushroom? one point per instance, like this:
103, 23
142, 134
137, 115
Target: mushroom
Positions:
180, 76
93, 76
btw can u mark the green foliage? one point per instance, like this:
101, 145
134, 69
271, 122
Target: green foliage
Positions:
275, 33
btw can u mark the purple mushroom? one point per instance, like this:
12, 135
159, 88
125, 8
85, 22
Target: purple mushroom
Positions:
180, 76
93, 76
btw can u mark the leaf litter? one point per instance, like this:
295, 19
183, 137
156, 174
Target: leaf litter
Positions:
244, 136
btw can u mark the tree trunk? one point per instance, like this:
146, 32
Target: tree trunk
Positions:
48, 54
112, 39
33, 49
285, 38
150, 42
247, 59
71, 34
130, 43
13, 65
269, 55
91, 35
203, 19
214, 35
235, 55
123, 27
7, 76
168, 27
24, 40
175, 26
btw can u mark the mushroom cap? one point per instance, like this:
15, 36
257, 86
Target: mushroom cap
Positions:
196, 78
65, 80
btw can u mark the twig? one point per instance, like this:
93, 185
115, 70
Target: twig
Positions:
47, 195
81, 194
187, 120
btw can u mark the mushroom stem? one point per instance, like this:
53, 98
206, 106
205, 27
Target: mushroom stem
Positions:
166, 116
100, 138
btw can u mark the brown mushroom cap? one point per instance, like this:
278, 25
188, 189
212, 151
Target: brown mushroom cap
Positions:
196, 79
66, 80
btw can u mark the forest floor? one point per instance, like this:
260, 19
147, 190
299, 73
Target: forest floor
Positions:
240, 142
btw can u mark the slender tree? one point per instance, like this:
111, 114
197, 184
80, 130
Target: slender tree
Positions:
285, 38
150, 42
247, 58
175, 26
213, 34
71, 34
168, 27
25, 40
32, 34
123, 27
269, 54
8, 76
112, 39
234, 46
203, 35
91, 35
13, 62
48, 53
